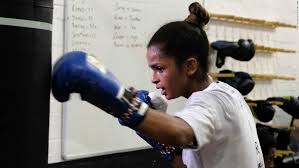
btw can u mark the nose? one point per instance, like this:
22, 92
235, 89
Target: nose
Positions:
154, 79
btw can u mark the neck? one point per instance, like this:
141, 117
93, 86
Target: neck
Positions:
199, 86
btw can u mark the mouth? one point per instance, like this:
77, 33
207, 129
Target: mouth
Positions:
163, 92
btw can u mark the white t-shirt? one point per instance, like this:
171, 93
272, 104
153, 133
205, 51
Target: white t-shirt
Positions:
224, 129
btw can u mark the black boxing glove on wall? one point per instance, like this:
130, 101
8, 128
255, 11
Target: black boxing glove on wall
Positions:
262, 110
242, 81
243, 50
290, 104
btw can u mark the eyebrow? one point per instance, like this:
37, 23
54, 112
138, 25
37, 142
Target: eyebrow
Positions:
152, 66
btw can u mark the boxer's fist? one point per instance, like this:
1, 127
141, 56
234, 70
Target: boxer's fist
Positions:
153, 100
158, 102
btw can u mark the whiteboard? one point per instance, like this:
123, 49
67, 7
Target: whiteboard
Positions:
116, 33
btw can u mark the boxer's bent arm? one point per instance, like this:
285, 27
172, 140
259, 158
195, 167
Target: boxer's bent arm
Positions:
177, 162
166, 129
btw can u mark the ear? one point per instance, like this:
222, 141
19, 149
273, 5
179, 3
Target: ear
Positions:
191, 66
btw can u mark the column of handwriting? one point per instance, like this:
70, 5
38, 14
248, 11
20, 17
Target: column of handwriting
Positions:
83, 26
126, 19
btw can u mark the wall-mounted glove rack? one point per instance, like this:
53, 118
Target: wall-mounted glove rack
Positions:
278, 103
254, 76
282, 153
249, 21
266, 49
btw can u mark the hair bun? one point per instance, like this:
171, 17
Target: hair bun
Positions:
202, 16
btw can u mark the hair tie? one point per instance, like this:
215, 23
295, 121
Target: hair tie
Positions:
192, 18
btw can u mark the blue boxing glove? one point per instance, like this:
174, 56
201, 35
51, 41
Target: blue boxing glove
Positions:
76, 72
156, 101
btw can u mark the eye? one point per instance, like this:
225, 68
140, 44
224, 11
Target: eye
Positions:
159, 68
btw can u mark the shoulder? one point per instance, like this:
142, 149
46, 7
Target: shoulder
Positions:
201, 99
214, 92
218, 97
221, 88
223, 92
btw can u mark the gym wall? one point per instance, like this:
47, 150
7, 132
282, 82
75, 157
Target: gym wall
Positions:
278, 63
26, 33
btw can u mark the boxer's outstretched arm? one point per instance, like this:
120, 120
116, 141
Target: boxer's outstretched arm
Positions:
80, 73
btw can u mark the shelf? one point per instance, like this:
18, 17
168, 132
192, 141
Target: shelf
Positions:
265, 49
249, 21
253, 104
254, 76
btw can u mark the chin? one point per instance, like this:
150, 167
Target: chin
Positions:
169, 97
166, 96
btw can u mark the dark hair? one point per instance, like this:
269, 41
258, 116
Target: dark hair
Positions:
182, 39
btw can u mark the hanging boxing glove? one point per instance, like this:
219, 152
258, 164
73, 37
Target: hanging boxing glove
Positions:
241, 81
290, 104
243, 50
262, 109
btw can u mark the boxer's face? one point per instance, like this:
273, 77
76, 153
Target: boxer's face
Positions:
166, 74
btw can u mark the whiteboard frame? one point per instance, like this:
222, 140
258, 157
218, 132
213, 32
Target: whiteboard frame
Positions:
65, 154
